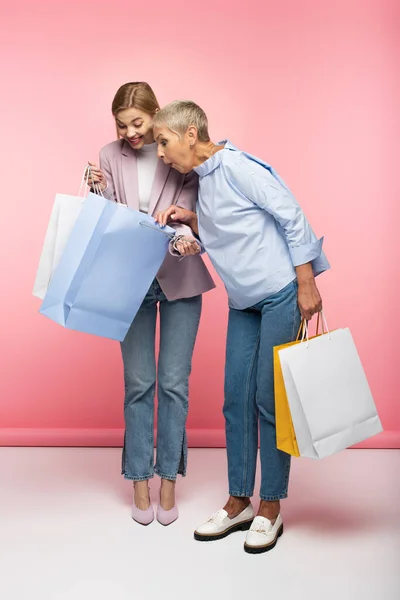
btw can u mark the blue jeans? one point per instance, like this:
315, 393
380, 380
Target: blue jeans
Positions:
179, 321
249, 393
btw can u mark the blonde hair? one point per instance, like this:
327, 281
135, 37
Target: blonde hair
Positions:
135, 95
180, 115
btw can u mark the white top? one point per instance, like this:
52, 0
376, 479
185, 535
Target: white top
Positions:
146, 167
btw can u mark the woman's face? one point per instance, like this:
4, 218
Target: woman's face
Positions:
173, 150
135, 126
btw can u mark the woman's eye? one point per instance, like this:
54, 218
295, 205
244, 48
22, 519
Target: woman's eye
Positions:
121, 126
163, 143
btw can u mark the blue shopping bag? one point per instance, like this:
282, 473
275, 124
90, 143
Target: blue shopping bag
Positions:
110, 260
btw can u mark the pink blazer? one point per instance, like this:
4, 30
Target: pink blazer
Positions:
178, 279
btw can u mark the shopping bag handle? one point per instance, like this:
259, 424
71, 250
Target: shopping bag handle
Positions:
84, 184
145, 224
321, 318
302, 333
171, 236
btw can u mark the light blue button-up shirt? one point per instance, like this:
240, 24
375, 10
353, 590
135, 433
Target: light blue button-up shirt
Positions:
252, 227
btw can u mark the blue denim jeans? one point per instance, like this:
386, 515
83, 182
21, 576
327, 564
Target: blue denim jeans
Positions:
249, 393
179, 322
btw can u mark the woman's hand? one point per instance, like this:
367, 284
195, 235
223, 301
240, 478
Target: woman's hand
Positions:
177, 214
187, 246
308, 296
95, 176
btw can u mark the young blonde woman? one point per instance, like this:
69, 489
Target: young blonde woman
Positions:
265, 251
130, 173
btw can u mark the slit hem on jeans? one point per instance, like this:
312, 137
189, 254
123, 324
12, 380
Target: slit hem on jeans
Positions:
182, 463
184, 447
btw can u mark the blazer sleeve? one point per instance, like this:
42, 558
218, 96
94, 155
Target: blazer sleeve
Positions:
186, 199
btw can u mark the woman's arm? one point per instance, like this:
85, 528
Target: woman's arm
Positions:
187, 199
309, 298
175, 215
108, 191
258, 184
182, 218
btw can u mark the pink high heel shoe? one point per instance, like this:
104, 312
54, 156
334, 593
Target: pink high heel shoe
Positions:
166, 517
144, 517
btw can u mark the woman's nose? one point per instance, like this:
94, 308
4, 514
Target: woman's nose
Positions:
160, 153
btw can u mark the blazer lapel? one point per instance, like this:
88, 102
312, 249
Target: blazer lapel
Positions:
160, 178
129, 176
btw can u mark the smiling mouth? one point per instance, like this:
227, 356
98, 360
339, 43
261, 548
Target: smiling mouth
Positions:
135, 141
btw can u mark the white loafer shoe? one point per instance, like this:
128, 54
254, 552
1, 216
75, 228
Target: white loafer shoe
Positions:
262, 535
220, 525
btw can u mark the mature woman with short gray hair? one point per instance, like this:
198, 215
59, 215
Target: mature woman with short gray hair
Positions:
264, 250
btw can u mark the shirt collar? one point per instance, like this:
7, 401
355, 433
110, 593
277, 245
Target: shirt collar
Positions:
212, 163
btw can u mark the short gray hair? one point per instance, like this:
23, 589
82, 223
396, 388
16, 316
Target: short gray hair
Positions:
180, 115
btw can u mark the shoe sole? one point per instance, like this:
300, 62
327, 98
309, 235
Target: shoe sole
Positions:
243, 526
267, 547
167, 524
144, 524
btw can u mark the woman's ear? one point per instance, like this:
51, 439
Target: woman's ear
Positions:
192, 134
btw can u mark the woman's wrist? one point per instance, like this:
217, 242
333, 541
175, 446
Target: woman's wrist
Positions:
194, 224
305, 275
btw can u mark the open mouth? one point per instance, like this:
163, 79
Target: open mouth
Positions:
135, 141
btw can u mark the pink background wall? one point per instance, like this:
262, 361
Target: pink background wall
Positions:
309, 86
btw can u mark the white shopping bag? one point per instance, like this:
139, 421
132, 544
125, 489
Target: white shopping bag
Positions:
66, 210
328, 394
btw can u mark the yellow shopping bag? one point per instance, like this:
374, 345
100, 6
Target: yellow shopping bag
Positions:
285, 434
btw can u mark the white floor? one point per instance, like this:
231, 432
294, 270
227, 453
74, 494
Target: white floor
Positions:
66, 532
